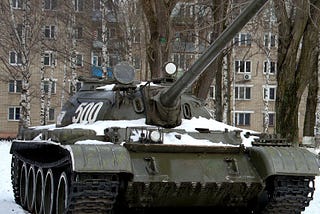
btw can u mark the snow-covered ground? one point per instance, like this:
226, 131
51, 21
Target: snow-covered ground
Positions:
8, 206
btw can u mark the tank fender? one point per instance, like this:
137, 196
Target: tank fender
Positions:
283, 161
100, 158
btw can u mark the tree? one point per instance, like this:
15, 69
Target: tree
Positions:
21, 27
158, 16
214, 71
296, 56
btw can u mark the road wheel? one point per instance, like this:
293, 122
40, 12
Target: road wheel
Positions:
48, 194
38, 207
62, 194
23, 185
31, 188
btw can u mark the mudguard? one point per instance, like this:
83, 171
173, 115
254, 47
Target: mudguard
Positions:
283, 161
100, 158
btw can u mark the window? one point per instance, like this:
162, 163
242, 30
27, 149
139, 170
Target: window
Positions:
79, 60
14, 113
242, 39
50, 4
15, 86
212, 92
242, 118
78, 85
49, 31
241, 66
269, 40
78, 5
51, 114
269, 93
48, 58
96, 60
78, 33
15, 58
16, 4
271, 119
46, 86
111, 33
271, 65
242, 93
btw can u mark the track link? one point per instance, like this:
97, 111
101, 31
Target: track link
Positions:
289, 194
92, 195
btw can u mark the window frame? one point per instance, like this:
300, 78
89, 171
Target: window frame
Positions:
50, 55
273, 67
46, 84
271, 119
242, 118
17, 61
242, 67
51, 29
270, 40
50, 4
76, 62
267, 90
16, 85
241, 92
243, 40
51, 114
16, 4
78, 5
16, 114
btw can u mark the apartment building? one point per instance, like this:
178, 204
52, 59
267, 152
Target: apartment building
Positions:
250, 67
70, 44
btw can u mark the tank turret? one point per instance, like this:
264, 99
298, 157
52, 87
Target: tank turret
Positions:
167, 102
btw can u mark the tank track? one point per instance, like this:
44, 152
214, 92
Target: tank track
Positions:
92, 195
289, 194
88, 192
15, 177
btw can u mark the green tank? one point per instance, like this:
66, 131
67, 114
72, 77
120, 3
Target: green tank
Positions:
124, 147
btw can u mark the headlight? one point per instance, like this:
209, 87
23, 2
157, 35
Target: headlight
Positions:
170, 68
144, 135
155, 136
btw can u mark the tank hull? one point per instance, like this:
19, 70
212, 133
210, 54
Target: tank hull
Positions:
140, 176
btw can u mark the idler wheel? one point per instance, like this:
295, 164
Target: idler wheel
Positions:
23, 185
48, 193
62, 194
38, 207
31, 188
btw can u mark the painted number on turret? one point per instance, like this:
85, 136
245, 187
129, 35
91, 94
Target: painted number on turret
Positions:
87, 112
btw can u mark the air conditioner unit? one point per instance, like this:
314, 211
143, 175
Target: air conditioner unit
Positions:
247, 76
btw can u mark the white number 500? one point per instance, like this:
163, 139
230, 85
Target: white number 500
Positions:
87, 112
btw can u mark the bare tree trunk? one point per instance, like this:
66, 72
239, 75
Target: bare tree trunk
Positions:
158, 15
294, 71
26, 75
311, 39
215, 69
105, 59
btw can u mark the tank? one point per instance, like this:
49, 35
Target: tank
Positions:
123, 147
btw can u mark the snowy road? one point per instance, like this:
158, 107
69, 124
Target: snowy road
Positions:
8, 206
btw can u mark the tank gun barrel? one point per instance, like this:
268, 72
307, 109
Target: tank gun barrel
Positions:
169, 97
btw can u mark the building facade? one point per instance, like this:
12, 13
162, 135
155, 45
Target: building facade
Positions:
69, 40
